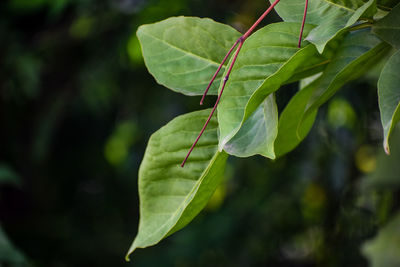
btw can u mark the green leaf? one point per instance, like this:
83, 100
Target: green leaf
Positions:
257, 134
358, 52
383, 250
290, 131
388, 28
269, 59
389, 97
330, 17
182, 53
171, 196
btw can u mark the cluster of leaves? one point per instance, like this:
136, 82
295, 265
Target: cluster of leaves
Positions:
343, 40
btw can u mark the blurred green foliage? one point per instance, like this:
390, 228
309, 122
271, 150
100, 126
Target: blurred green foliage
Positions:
77, 107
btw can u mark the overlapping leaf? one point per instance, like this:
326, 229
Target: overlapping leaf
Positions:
258, 133
182, 53
358, 52
171, 196
330, 16
389, 97
388, 28
269, 59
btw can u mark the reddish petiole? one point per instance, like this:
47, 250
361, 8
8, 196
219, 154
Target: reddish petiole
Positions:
238, 44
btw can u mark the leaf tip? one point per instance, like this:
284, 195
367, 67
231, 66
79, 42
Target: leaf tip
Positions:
387, 149
127, 259
130, 251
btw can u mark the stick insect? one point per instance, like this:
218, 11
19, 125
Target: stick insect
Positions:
239, 43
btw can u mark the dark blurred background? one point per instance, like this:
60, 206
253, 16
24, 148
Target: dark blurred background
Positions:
77, 107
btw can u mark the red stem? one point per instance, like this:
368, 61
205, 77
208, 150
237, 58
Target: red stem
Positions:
240, 41
219, 68
243, 38
303, 23
216, 103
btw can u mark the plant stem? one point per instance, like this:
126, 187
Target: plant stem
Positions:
219, 68
240, 41
243, 38
216, 103
303, 23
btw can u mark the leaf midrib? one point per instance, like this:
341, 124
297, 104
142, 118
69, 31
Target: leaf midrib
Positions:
339, 6
182, 50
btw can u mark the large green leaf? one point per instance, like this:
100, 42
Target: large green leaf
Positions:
182, 53
357, 53
383, 250
269, 58
330, 17
388, 28
389, 97
171, 196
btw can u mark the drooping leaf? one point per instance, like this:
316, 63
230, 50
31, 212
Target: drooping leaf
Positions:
329, 16
388, 28
257, 134
389, 97
269, 58
182, 53
171, 196
290, 134
383, 250
357, 53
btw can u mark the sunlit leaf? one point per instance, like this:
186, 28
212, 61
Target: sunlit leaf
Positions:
171, 196
182, 53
